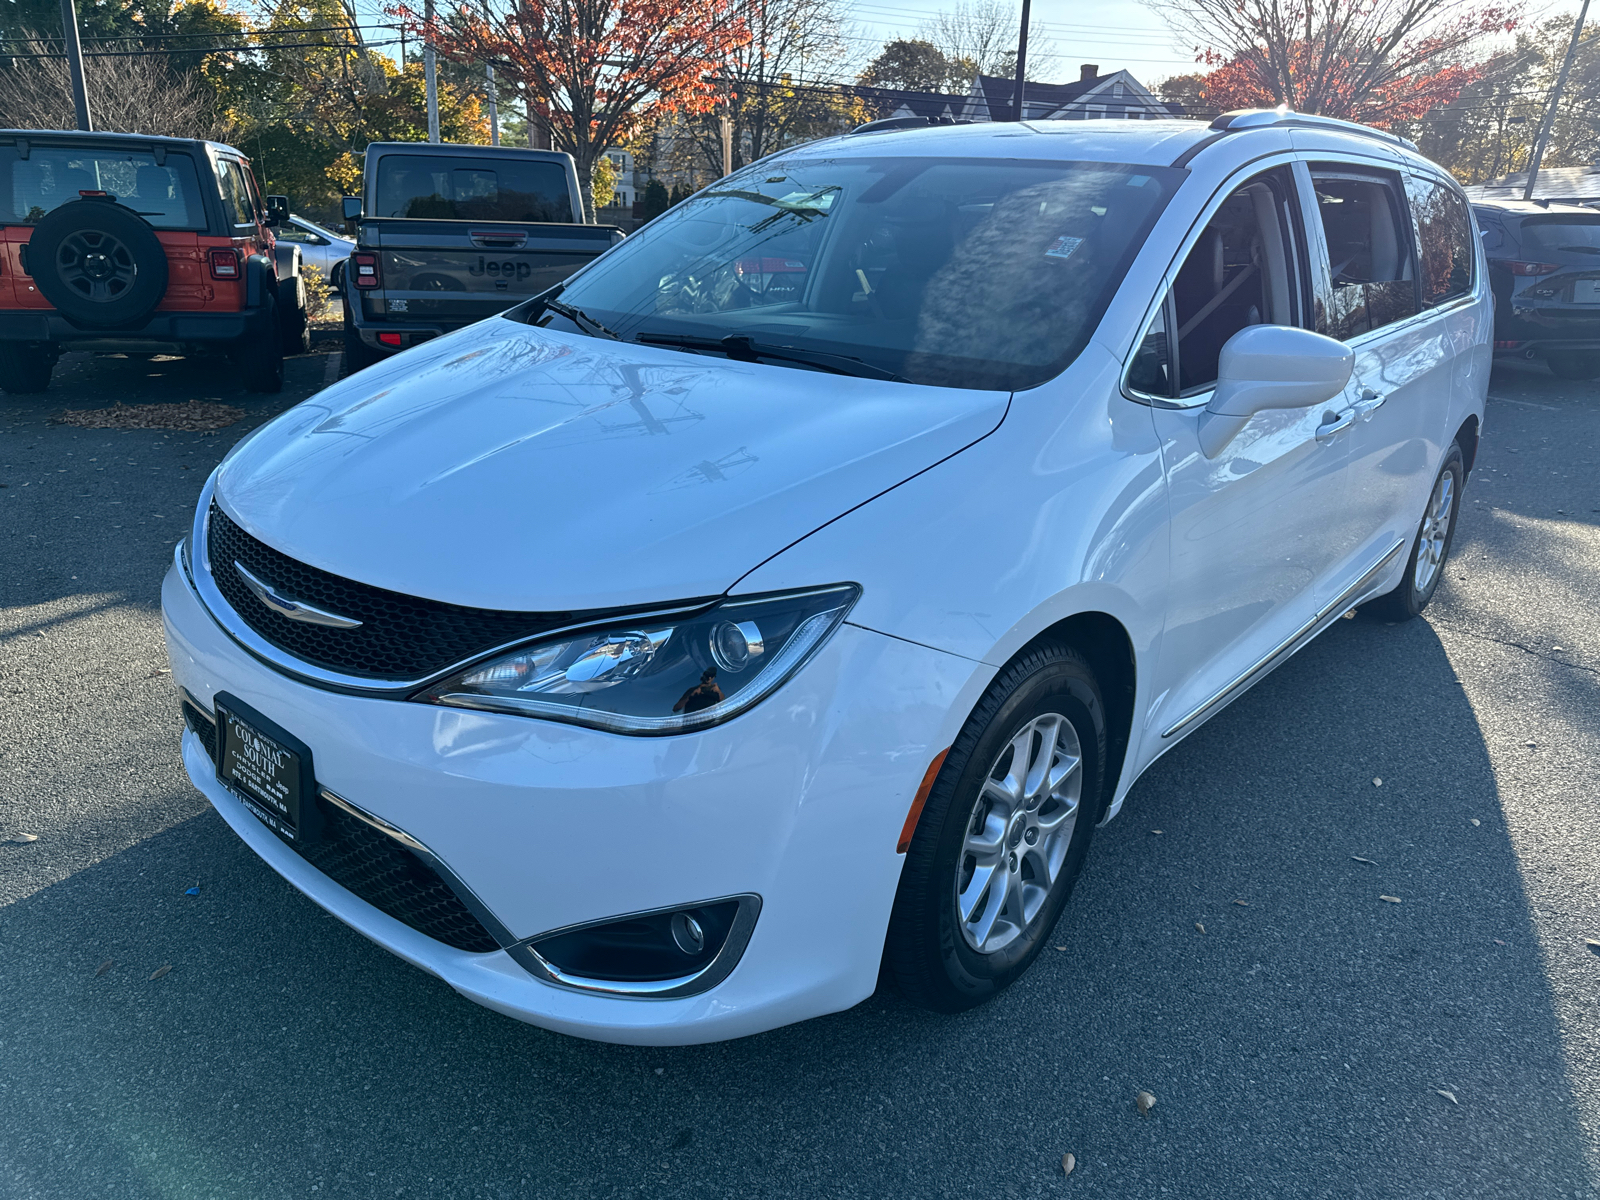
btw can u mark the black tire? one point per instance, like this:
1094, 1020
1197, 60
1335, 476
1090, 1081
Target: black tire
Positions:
358, 356
25, 367
1574, 364
927, 954
296, 324
99, 264
260, 356
1411, 597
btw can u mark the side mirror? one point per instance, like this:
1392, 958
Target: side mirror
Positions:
352, 208
1271, 366
277, 210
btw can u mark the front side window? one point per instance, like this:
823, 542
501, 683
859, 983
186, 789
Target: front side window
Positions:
1368, 242
165, 193
293, 233
1243, 271
455, 189
979, 273
1444, 240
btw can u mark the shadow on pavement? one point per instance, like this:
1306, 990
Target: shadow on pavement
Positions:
1295, 1046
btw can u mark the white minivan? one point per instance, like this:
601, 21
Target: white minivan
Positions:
789, 595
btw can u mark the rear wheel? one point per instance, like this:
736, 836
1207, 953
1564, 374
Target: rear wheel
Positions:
357, 354
1574, 364
1429, 550
25, 367
260, 356
1003, 835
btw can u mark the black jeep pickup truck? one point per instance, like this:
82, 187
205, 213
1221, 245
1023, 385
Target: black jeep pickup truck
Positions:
447, 235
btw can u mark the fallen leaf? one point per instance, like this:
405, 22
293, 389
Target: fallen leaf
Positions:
1060, 947
104, 967
1242, 903
1450, 1096
1376, 782
1475, 821
1498, 942
160, 971
22, 839
1068, 1161
1531, 745
661, 1070
1200, 927
1146, 1102
1368, 861
1155, 831
1390, 899
1593, 944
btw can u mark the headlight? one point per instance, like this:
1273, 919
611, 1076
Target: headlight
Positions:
654, 677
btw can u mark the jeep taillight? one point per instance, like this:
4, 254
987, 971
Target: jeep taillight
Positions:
364, 270
224, 264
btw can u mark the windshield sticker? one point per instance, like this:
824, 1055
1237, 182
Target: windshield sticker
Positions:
1063, 247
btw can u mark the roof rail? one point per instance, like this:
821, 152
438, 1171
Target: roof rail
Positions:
891, 123
1263, 118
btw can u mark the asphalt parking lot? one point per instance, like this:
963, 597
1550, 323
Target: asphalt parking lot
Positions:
1300, 1047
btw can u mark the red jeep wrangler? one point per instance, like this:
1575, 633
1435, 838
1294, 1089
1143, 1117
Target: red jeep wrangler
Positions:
126, 243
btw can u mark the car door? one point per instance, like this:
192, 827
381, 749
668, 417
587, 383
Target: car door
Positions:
1366, 271
1257, 531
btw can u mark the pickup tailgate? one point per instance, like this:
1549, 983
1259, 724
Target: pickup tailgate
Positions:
471, 269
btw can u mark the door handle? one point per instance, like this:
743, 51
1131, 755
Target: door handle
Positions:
1369, 403
1335, 423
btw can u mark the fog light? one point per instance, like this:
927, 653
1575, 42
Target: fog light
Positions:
686, 932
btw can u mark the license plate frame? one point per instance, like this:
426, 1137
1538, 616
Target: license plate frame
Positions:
1586, 291
267, 768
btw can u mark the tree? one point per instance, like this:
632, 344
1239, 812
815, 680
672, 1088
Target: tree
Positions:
596, 67
126, 95
982, 34
916, 65
656, 201
1380, 61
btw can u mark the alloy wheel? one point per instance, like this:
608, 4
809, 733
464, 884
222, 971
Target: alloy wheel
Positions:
1018, 834
1435, 531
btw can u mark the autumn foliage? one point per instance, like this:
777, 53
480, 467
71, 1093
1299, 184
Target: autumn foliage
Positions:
593, 69
1381, 62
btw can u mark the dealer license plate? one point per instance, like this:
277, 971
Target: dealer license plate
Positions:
266, 774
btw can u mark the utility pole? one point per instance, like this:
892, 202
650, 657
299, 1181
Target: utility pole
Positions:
494, 107
726, 124
80, 94
430, 76
1022, 63
1549, 121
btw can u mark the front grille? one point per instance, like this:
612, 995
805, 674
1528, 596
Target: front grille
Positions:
400, 637
381, 871
203, 726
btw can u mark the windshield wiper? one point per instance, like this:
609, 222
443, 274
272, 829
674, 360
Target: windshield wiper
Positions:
1580, 249
581, 319
742, 348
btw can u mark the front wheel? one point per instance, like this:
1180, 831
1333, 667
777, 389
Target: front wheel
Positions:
1429, 550
1003, 834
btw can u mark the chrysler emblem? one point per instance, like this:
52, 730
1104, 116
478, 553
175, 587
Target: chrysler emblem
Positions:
295, 610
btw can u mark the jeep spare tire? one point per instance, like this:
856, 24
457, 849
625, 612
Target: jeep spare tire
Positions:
99, 264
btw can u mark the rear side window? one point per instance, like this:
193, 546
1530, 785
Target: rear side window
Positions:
1368, 242
166, 194
1444, 240
455, 189
235, 193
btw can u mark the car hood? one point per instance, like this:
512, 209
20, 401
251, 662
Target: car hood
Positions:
510, 467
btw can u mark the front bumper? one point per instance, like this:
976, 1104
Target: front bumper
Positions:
163, 328
799, 801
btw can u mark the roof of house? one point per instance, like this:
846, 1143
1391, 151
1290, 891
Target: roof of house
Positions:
1554, 183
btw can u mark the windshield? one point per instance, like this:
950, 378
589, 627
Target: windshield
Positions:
1574, 233
164, 194
473, 189
980, 273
